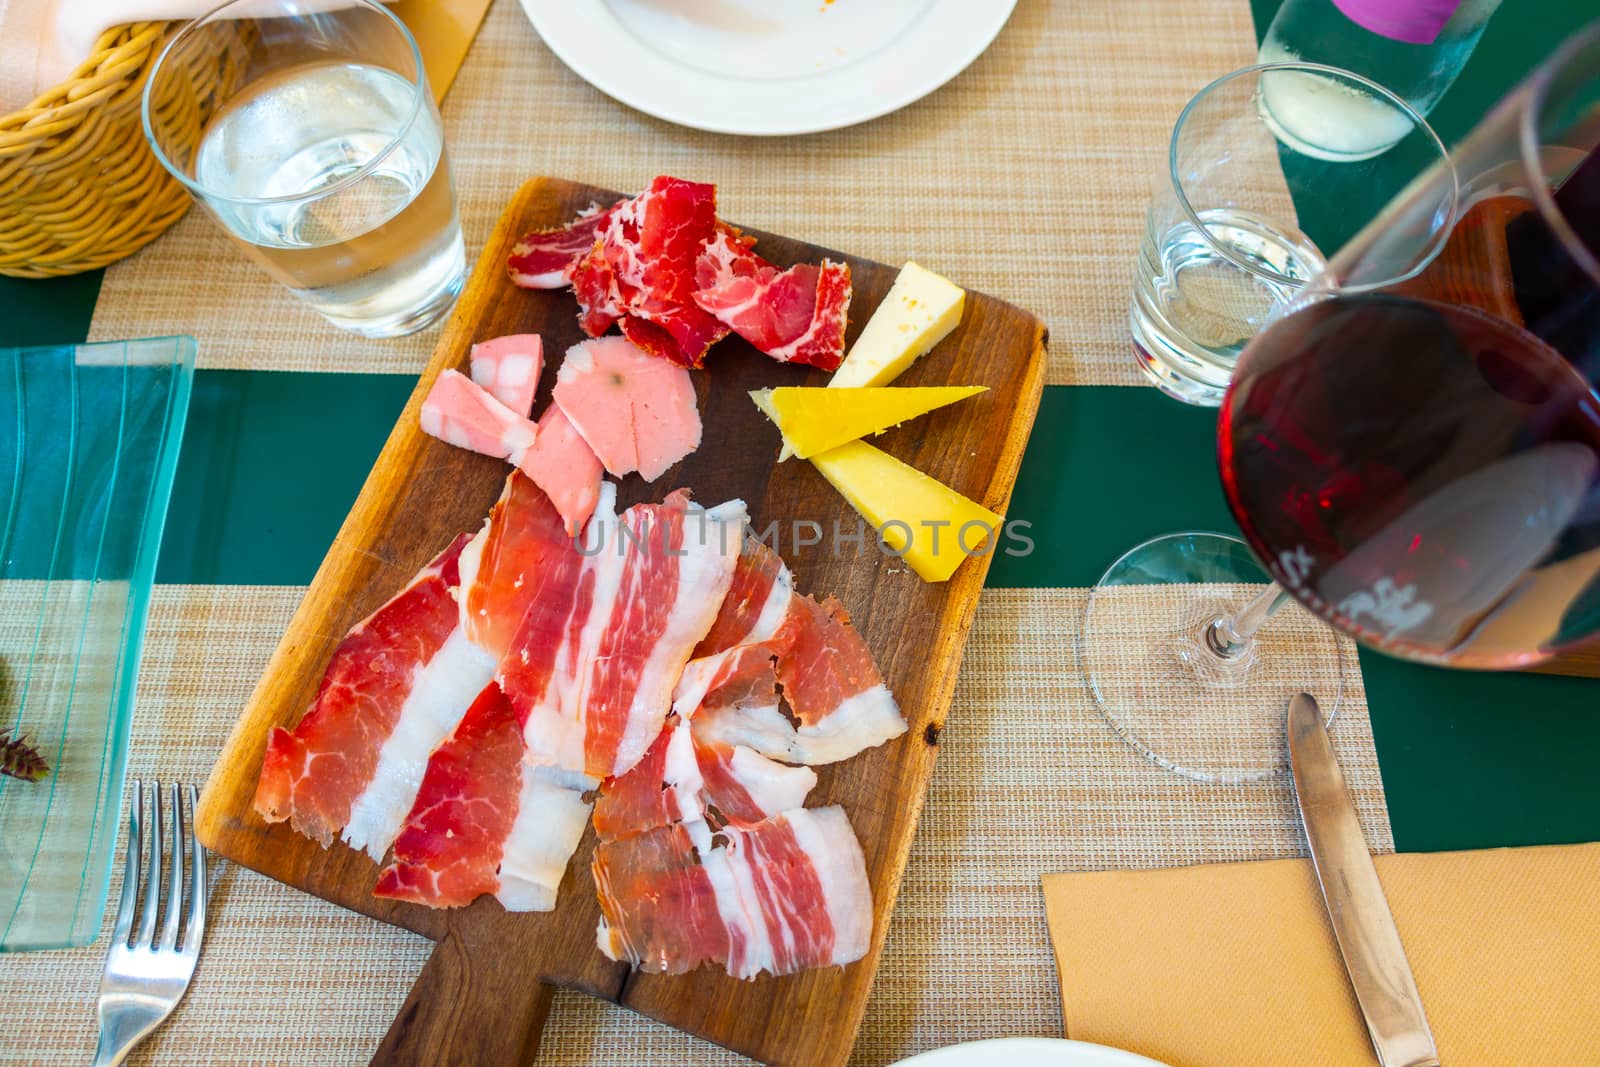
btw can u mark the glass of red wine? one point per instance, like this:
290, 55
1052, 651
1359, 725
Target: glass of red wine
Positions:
1415, 462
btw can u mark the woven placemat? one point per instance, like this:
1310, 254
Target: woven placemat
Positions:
1030, 780
1026, 177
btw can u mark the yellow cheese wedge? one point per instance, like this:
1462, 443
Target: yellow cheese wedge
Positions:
919, 312
932, 526
815, 420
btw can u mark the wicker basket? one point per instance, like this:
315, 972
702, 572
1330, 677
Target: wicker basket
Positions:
79, 186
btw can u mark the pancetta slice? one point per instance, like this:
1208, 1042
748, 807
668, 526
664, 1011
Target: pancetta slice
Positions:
396, 686
683, 779
757, 601
484, 821
785, 895
595, 692
635, 412
508, 369
460, 412
543, 259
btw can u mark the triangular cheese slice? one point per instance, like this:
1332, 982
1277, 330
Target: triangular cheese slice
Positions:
931, 526
814, 420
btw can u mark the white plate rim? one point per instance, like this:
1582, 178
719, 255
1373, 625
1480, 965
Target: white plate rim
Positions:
1028, 1052
588, 37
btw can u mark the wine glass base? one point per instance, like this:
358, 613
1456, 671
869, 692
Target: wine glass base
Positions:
1169, 693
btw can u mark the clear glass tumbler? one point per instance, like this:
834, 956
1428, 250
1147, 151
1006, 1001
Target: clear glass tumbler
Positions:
325, 158
1223, 249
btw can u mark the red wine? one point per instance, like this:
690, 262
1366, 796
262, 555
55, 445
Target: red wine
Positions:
1425, 474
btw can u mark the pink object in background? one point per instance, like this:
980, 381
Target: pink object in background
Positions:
1411, 21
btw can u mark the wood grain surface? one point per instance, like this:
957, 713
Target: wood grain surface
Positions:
421, 493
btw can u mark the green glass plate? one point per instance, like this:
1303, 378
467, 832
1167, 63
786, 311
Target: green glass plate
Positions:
89, 438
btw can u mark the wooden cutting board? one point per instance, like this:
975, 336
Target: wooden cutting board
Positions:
484, 993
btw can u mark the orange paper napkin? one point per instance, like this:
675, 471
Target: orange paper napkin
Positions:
1234, 965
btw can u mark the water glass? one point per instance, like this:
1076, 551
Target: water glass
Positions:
1224, 245
324, 158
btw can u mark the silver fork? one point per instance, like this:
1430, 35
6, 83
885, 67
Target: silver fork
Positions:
146, 977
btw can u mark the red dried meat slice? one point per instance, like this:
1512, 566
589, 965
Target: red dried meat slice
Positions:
508, 369
757, 600
561, 463
785, 895
542, 259
396, 685
635, 412
484, 821
795, 316
510, 563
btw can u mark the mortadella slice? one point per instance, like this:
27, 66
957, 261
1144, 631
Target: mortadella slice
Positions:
565, 467
508, 368
460, 412
636, 412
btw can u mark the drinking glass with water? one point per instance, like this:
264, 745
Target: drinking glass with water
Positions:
325, 158
1248, 210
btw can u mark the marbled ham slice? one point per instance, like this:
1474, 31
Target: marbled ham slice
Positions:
396, 686
787, 894
484, 821
460, 412
596, 690
565, 467
516, 558
681, 779
508, 369
635, 412
795, 316
543, 259
757, 601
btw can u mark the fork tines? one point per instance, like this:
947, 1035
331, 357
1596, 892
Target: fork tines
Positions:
164, 872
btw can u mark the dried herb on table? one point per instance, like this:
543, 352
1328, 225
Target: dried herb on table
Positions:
20, 759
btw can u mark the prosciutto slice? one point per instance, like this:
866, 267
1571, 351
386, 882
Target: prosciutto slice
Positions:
594, 664
765, 636
784, 895
543, 258
515, 559
508, 369
636, 413
396, 686
484, 821
682, 779
460, 412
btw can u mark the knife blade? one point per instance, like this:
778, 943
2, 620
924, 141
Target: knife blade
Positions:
1362, 923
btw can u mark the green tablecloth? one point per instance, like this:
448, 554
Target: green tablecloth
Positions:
1468, 760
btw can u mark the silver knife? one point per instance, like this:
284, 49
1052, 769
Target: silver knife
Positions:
1362, 924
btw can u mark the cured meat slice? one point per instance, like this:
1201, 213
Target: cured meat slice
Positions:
543, 259
635, 412
787, 894
826, 669
396, 685
757, 601
681, 779
795, 316
508, 369
562, 464
486, 822
516, 558
596, 696
460, 412
731, 699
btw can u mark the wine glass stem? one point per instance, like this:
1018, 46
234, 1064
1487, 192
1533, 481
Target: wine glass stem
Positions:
1230, 635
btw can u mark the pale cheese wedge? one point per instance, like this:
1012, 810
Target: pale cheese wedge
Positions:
814, 420
934, 527
919, 312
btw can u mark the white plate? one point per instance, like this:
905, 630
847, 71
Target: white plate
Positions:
767, 67
1028, 1052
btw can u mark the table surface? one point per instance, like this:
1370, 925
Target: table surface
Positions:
1466, 760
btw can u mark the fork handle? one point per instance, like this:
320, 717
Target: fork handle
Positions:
466, 1010
117, 1041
